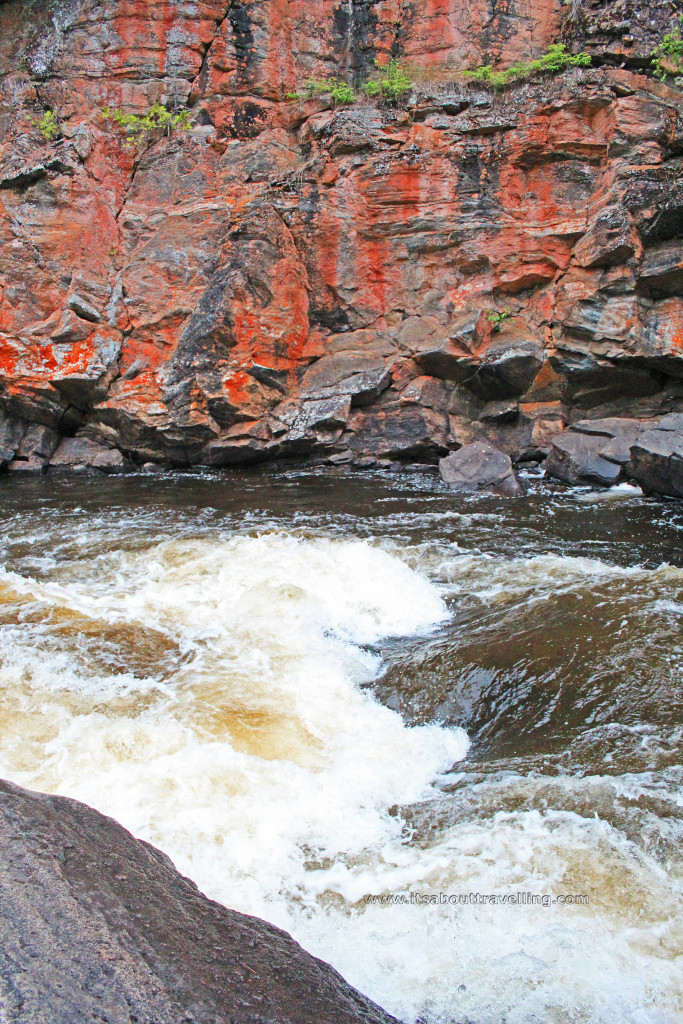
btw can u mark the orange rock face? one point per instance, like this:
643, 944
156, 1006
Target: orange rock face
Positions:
370, 281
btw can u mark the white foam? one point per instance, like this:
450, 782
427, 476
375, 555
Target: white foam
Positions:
618, 492
612, 962
271, 777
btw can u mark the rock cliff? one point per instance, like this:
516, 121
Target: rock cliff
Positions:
97, 926
361, 282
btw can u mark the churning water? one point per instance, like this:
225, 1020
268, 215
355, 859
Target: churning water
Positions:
359, 708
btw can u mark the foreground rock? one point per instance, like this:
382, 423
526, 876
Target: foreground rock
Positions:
479, 467
97, 926
657, 458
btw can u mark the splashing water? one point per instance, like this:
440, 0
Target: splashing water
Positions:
208, 682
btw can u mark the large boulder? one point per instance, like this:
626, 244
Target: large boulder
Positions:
593, 451
657, 458
82, 453
97, 926
480, 467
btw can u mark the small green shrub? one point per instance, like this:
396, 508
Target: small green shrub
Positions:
555, 59
390, 81
157, 118
339, 91
667, 59
48, 125
497, 318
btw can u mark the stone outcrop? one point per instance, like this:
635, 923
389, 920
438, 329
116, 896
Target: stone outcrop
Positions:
594, 451
97, 926
607, 451
657, 458
360, 283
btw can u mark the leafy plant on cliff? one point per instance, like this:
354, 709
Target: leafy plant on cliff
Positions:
555, 59
667, 59
390, 81
497, 318
340, 92
157, 119
48, 125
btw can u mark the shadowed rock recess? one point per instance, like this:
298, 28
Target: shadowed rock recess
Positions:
357, 284
98, 926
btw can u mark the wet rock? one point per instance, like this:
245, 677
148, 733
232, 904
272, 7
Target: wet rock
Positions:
82, 453
96, 925
232, 451
620, 432
576, 459
593, 451
37, 466
480, 467
657, 458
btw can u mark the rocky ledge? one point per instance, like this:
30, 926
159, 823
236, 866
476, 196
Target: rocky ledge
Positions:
97, 926
357, 284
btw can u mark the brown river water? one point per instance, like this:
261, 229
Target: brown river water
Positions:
439, 740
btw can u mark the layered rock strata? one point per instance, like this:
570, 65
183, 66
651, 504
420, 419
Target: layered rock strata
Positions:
97, 926
360, 284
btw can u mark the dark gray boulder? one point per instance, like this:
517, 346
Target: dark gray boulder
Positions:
82, 453
480, 467
98, 926
593, 451
657, 458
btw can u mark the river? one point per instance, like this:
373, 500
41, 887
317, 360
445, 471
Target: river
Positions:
437, 739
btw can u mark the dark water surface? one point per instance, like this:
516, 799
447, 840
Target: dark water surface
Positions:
361, 707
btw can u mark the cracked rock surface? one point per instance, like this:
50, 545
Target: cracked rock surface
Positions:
360, 283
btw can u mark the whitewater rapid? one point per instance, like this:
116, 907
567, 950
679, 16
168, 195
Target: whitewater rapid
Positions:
211, 693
